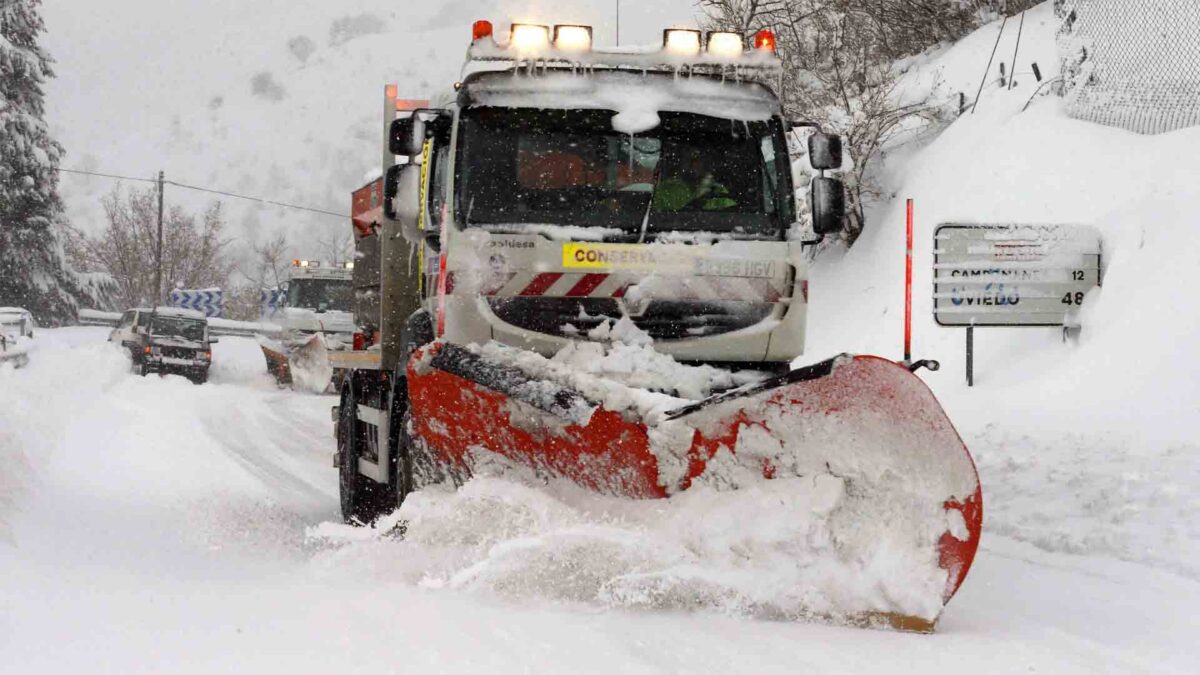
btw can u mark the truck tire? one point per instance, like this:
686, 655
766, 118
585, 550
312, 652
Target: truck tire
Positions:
401, 445
363, 500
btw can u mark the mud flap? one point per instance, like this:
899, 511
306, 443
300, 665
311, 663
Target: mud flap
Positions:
906, 493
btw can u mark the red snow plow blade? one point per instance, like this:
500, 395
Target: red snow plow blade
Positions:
304, 367
895, 497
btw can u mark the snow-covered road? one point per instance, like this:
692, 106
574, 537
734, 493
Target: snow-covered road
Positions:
149, 525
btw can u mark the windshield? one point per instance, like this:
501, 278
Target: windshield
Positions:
569, 167
175, 326
322, 295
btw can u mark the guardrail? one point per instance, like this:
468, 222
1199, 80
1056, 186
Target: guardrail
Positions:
220, 327
243, 328
92, 317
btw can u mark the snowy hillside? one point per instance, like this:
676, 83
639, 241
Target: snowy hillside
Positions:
268, 98
1086, 447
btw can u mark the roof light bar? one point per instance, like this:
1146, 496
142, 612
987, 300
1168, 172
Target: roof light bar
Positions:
681, 41
765, 40
723, 43
529, 37
572, 38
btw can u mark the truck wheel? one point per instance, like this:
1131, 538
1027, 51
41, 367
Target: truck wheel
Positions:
401, 444
363, 500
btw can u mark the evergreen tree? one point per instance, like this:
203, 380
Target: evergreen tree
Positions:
33, 272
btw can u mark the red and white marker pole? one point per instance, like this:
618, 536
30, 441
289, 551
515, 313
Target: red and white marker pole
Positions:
908, 287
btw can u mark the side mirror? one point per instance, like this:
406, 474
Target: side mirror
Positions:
407, 135
828, 201
391, 186
213, 340
825, 151
401, 199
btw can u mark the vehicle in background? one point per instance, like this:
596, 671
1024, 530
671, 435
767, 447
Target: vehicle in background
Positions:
166, 340
317, 318
17, 321
16, 333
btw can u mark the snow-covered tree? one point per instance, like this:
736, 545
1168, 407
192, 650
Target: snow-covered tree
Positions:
840, 67
33, 271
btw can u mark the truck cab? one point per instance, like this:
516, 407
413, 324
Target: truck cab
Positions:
566, 194
561, 194
319, 299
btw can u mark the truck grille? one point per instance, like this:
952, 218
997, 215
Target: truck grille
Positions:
662, 320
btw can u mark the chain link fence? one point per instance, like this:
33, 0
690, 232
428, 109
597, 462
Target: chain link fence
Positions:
1134, 65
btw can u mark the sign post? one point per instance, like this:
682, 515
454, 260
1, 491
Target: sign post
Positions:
970, 356
908, 287
1012, 275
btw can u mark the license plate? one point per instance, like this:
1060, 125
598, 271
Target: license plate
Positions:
171, 361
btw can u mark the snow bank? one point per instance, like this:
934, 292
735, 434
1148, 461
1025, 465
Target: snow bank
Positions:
1056, 427
31, 412
78, 407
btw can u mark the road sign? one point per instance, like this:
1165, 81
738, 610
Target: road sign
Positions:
211, 301
273, 300
1013, 275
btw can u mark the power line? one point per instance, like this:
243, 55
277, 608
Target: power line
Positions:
106, 175
207, 190
256, 199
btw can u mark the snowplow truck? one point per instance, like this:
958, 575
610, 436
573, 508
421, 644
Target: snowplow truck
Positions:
599, 253
316, 320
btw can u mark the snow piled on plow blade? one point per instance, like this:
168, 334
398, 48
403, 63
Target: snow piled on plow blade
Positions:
310, 366
764, 552
845, 497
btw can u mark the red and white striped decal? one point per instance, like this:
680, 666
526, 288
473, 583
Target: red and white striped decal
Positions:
615, 285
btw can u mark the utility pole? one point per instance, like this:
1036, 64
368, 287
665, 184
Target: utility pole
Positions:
158, 246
